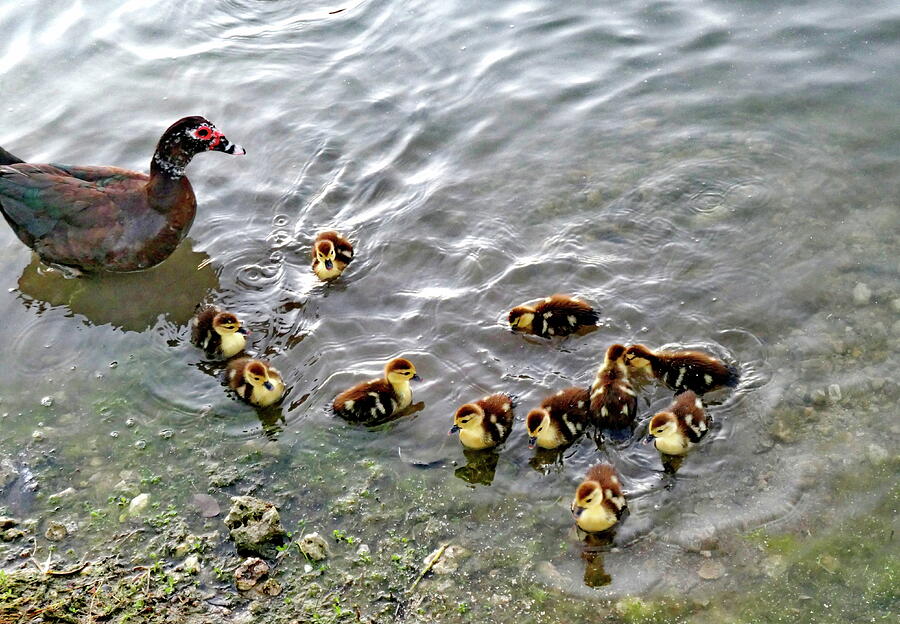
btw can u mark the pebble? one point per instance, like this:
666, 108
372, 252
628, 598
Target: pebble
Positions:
249, 572
834, 393
711, 570
191, 565
47, 401
56, 531
314, 546
206, 505
862, 293
38, 436
138, 504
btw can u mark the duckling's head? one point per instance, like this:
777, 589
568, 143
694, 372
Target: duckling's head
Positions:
615, 353
589, 495
325, 253
537, 421
225, 323
400, 370
638, 357
468, 416
663, 424
521, 318
257, 374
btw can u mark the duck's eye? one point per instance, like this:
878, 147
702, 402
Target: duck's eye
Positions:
203, 133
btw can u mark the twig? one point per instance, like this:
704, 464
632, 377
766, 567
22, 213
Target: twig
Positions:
427, 568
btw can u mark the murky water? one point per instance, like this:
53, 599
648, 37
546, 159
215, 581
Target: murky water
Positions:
712, 174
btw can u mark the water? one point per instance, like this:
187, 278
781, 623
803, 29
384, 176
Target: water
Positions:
711, 174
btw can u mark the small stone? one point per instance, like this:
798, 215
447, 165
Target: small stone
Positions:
11, 534
191, 565
254, 525
270, 587
38, 435
711, 570
449, 560
819, 397
206, 505
829, 564
861, 293
834, 393
877, 454
138, 504
47, 401
314, 546
7, 522
249, 572
56, 531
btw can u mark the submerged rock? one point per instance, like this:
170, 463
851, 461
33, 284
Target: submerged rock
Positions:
56, 531
861, 293
711, 570
248, 574
138, 504
254, 525
6, 522
314, 546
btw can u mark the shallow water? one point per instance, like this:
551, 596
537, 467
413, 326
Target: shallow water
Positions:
709, 174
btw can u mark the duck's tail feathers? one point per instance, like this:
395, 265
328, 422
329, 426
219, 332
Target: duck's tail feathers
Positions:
8, 159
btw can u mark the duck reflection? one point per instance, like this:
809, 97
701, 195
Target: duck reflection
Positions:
480, 467
592, 549
128, 301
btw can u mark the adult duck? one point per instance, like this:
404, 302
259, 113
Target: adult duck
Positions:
107, 218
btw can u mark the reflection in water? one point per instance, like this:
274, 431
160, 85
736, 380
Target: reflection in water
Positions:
592, 550
480, 468
129, 301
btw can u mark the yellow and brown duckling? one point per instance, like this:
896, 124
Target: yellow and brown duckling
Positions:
255, 381
682, 425
378, 399
331, 253
217, 332
599, 502
557, 315
560, 419
484, 423
613, 398
682, 370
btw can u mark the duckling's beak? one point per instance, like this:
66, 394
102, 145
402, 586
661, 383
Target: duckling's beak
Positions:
415, 378
577, 511
329, 264
268, 385
243, 330
648, 439
532, 440
453, 429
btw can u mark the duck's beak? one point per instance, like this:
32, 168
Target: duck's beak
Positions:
268, 385
415, 378
243, 330
224, 145
648, 439
329, 264
577, 511
532, 440
453, 429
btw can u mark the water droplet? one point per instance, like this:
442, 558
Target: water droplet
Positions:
129, 422
113, 364
114, 434
166, 433
47, 401
140, 444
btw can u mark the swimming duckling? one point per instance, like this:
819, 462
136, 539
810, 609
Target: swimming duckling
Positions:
255, 381
379, 398
681, 426
331, 254
217, 332
613, 399
484, 423
557, 315
599, 502
560, 419
682, 370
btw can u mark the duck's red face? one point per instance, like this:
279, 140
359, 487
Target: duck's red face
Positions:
206, 137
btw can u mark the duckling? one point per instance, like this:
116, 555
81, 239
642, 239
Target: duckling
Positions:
681, 426
379, 398
613, 399
560, 419
217, 332
331, 254
599, 502
682, 370
557, 315
255, 381
484, 423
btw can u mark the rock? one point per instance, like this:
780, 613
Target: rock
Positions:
11, 534
862, 294
270, 587
206, 505
191, 564
834, 393
8, 473
56, 531
711, 570
314, 546
254, 525
6, 522
449, 561
249, 572
138, 504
